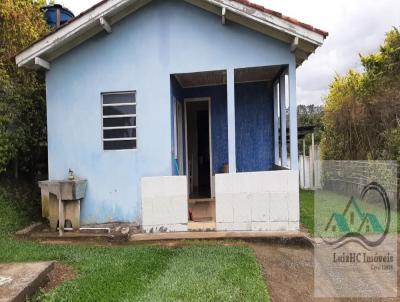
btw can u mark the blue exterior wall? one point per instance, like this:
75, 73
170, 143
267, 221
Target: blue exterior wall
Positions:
144, 49
254, 124
254, 118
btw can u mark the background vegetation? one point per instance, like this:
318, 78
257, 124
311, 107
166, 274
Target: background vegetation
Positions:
310, 115
362, 109
22, 92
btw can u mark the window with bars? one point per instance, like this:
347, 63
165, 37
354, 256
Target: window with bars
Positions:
119, 120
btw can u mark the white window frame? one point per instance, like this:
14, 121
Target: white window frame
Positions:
118, 116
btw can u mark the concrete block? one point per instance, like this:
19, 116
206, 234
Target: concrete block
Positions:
278, 226
158, 186
181, 213
292, 181
245, 182
260, 207
164, 203
233, 226
146, 188
293, 201
170, 210
224, 208
224, 183
273, 181
242, 207
241, 226
147, 209
278, 207
293, 226
223, 226
260, 226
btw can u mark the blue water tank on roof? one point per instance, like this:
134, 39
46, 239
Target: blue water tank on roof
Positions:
57, 15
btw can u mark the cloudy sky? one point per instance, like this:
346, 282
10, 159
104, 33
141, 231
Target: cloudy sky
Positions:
354, 26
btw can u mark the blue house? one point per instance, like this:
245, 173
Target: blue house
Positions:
172, 110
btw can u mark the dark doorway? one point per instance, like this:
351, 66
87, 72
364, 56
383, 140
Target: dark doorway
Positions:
198, 142
203, 140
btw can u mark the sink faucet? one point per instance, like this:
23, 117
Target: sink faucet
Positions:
71, 175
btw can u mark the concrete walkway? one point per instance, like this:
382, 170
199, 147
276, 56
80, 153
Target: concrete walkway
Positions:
20, 280
220, 235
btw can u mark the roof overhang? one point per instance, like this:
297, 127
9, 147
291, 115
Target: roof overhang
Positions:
103, 15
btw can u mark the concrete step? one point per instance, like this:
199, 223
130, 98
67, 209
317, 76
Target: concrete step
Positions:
281, 237
18, 281
195, 226
203, 209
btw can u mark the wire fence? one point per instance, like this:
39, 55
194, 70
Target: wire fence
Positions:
350, 177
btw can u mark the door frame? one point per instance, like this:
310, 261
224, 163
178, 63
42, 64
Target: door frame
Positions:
192, 100
178, 134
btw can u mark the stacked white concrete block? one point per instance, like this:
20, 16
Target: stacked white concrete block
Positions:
257, 201
164, 204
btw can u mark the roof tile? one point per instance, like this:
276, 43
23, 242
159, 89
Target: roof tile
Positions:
280, 15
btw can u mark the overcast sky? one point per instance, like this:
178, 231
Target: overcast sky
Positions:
354, 26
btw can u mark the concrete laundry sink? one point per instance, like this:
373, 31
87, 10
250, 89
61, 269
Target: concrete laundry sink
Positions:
65, 189
61, 200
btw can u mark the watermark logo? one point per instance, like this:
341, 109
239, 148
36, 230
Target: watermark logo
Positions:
355, 219
354, 222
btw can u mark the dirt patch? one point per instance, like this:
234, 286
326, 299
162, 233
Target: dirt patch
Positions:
60, 274
289, 273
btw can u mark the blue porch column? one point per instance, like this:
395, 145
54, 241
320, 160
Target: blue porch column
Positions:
282, 101
230, 84
294, 158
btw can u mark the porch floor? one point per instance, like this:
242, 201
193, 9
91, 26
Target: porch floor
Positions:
279, 236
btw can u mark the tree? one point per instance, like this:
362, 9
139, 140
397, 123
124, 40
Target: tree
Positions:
362, 110
22, 92
310, 115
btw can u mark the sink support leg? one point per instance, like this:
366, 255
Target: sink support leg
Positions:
53, 211
75, 217
61, 218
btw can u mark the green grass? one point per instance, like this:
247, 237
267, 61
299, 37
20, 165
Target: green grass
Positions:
196, 272
333, 203
307, 210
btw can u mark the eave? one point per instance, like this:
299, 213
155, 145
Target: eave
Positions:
102, 16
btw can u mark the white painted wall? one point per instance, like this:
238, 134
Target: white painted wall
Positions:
310, 170
164, 204
305, 178
257, 201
